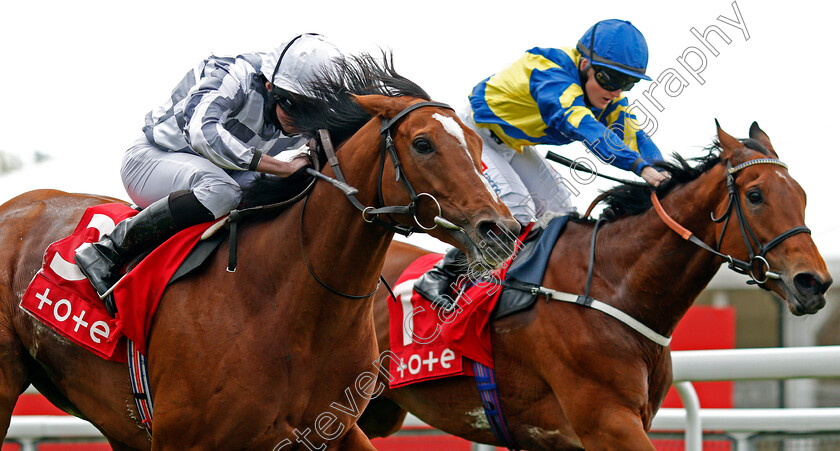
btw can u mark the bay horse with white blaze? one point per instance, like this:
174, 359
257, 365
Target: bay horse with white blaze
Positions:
255, 359
570, 377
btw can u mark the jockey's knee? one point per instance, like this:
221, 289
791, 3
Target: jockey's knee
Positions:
220, 199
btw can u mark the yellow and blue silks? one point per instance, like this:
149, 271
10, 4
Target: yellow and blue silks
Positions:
539, 100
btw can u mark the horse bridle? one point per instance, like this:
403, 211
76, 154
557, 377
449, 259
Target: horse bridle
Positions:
371, 214
387, 149
735, 264
750, 239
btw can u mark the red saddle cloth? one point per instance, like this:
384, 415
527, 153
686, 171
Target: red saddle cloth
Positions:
431, 343
61, 297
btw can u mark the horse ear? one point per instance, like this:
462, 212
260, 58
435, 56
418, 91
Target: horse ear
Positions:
378, 105
729, 143
758, 134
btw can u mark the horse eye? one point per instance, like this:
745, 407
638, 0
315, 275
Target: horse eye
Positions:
755, 197
423, 145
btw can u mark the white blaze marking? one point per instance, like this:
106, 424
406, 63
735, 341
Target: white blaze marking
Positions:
452, 127
784, 177
487, 185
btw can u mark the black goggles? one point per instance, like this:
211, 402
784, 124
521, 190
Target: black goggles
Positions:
282, 99
612, 80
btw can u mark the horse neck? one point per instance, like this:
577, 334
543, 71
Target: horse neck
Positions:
660, 281
355, 247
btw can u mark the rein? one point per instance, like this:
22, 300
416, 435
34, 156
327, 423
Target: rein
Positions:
750, 239
340, 182
315, 276
757, 267
743, 267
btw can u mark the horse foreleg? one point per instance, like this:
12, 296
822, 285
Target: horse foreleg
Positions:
12, 375
614, 428
354, 439
381, 418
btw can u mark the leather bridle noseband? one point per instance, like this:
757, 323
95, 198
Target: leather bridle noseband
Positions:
760, 274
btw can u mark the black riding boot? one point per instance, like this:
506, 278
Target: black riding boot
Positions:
102, 262
436, 284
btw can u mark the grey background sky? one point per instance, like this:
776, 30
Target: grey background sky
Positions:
78, 77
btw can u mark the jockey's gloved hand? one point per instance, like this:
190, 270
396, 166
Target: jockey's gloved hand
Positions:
653, 177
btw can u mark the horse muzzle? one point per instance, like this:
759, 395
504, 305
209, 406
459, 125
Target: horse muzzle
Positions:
489, 243
805, 292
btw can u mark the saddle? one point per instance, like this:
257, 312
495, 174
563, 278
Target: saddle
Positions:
260, 200
527, 269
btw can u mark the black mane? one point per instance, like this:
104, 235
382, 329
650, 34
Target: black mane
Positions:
328, 104
629, 199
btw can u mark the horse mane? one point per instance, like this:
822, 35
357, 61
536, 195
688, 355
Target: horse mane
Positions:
327, 103
630, 199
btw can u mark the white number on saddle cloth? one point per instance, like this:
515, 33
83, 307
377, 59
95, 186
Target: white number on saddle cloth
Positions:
68, 270
424, 358
55, 296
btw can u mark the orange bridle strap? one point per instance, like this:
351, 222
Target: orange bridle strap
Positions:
669, 221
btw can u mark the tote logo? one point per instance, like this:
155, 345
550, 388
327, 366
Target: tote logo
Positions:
434, 361
64, 308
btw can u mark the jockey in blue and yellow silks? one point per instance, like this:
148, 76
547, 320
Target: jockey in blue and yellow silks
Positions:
554, 96
539, 100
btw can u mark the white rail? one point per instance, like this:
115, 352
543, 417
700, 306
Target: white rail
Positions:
753, 420
748, 364
28, 430
756, 364
713, 365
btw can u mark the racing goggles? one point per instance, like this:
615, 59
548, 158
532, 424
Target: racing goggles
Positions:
613, 80
285, 103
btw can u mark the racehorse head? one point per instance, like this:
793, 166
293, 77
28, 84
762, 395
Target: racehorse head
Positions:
428, 158
768, 206
441, 159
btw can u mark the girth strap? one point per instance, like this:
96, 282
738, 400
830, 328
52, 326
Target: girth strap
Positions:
485, 382
139, 376
587, 301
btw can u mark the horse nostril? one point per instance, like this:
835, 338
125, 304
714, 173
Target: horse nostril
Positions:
498, 233
490, 229
808, 283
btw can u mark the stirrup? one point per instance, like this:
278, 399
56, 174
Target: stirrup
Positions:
452, 304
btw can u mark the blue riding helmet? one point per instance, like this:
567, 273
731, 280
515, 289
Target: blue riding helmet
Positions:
618, 45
